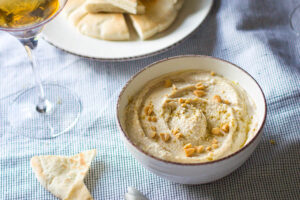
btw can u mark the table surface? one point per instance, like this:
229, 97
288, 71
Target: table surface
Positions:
254, 34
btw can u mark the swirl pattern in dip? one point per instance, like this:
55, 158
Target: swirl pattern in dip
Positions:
190, 117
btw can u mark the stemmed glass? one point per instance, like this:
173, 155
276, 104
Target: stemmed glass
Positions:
46, 110
295, 20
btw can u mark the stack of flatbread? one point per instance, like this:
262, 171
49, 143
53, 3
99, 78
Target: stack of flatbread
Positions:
108, 19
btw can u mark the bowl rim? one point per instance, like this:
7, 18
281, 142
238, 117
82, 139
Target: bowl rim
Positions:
257, 133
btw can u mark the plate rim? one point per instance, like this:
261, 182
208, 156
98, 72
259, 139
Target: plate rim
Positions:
131, 58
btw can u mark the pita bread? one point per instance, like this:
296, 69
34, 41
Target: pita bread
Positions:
75, 11
160, 14
63, 175
131, 6
112, 6
100, 25
77, 15
104, 26
71, 6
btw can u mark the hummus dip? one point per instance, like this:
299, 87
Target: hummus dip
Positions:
191, 117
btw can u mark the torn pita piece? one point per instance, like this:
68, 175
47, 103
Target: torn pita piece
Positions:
63, 175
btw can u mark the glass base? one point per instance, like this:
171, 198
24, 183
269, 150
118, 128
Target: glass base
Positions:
294, 20
63, 111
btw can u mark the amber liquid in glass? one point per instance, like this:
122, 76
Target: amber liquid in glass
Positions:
19, 13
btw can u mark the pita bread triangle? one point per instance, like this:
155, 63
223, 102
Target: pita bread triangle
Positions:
63, 175
159, 15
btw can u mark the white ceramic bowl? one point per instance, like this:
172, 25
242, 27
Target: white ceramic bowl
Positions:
195, 173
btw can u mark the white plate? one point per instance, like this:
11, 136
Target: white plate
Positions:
63, 35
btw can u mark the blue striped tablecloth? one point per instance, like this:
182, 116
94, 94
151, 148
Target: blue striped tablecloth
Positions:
254, 34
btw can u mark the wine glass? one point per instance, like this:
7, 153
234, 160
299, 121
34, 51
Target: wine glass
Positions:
295, 20
46, 110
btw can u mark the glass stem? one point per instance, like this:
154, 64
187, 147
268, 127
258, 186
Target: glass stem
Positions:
30, 45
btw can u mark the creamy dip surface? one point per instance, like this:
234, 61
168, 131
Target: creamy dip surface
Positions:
191, 117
